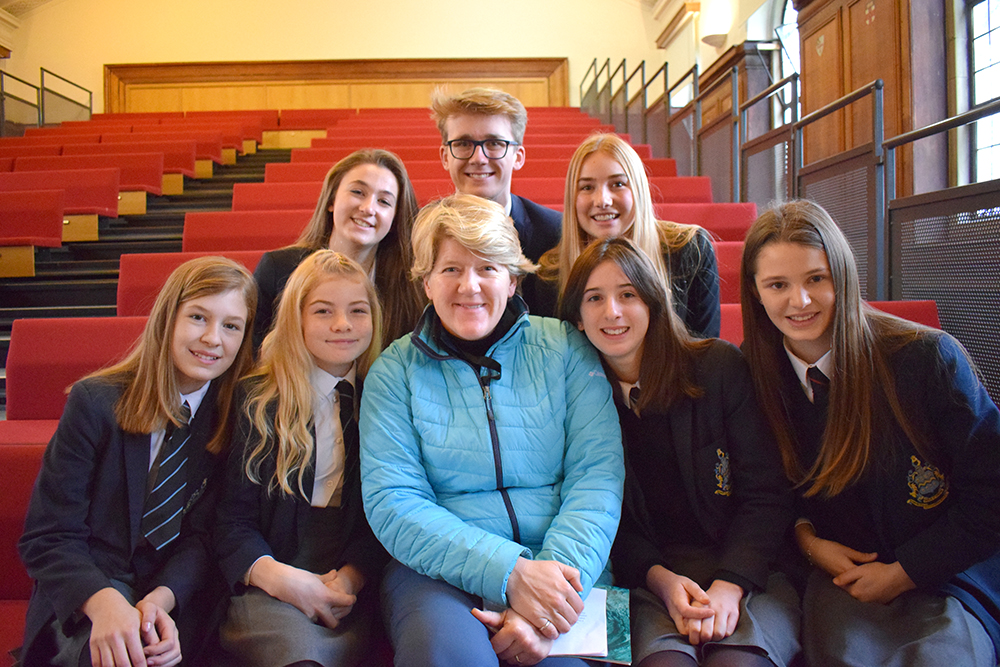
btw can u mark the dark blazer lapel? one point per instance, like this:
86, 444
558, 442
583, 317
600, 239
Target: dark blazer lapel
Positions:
681, 415
135, 452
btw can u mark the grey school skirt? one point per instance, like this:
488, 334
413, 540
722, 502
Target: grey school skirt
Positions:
915, 630
768, 625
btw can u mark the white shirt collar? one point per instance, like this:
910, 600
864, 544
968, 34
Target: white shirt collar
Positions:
323, 383
824, 363
195, 398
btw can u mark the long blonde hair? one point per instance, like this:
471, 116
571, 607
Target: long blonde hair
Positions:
281, 381
863, 341
151, 397
650, 235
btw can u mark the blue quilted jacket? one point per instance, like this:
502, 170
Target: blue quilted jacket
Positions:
464, 472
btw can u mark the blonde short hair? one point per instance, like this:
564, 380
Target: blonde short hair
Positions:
481, 226
479, 102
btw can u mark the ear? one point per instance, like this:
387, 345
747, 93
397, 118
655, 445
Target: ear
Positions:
443, 152
579, 325
427, 288
513, 286
518, 158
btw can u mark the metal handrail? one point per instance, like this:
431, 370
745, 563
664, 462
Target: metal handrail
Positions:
734, 79
693, 73
593, 67
90, 95
792, 80
4, 94
940, 126
609, 85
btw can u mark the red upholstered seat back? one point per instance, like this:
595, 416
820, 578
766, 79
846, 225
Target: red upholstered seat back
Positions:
20, 465
213, 231
48, 355
32, 218
729, 254
141, 276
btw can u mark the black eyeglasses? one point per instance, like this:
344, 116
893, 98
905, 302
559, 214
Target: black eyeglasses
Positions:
494, 149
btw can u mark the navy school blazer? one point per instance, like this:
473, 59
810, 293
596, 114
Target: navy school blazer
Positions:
253, 522
83, 522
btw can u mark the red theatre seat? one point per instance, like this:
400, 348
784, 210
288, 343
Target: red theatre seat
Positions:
275, 196
32, 218
139, 171
729, 254
212, 231
88, 191
726, 221
141, 276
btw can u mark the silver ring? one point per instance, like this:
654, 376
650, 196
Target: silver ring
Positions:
546, 624
518, 658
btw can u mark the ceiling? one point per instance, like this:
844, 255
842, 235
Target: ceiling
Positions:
19, 8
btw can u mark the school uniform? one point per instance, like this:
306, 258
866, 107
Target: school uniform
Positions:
938, 518
538, 227
271, 274
694, 285
83, 528
706, 498
324, 532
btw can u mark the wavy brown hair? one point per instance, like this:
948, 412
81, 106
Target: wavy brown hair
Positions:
864, 339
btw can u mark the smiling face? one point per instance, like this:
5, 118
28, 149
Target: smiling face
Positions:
469, 293
604, 204
795, 287
478, 175
207, 335
362, 209
615, 319
337, 323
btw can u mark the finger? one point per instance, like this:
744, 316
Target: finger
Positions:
327, 618
848, 577
493, 620
707, 629
96, 655
133, 647
340, 599
694, 630
573, 577
562, 625
147, 623
697, 593
548, 629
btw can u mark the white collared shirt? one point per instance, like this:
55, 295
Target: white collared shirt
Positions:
824, 363
331, 456
157, 437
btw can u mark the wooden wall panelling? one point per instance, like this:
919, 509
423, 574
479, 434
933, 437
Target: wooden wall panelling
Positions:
822, 81
326, 84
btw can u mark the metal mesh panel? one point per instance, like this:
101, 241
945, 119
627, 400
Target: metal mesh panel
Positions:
604, 103
845, 197
716, 157
636, 120
656, 129
589, 101
618, 111
680, 144
955, 260
58, 109
765, 176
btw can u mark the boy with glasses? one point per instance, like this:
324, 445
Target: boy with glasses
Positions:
482, 133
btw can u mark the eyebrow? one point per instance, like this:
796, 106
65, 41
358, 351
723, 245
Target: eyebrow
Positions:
367, 185
594, 178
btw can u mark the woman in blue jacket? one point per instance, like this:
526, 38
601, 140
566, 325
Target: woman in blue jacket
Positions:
491, 457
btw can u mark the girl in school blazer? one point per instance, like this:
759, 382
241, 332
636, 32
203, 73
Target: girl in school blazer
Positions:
104, 578
705, 501
894, 446
291, 534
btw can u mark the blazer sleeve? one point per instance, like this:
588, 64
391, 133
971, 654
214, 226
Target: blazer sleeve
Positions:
698, 268
54, 546
582, 532
265, 275
966, 425
400, 502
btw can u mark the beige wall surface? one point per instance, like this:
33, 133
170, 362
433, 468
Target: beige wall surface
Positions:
76, 38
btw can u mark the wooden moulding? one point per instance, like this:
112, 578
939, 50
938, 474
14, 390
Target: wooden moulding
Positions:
79, 228
132, 203
173, 184
17, 261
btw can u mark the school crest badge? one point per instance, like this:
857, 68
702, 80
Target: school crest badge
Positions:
723, 486
928, 486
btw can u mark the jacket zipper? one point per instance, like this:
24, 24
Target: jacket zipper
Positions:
484, 382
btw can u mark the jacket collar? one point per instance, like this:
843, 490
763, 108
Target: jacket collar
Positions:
424, 341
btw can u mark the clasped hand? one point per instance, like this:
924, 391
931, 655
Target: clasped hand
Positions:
125, 636
858, 573
700, 615
514, 638
325, 598
546, 593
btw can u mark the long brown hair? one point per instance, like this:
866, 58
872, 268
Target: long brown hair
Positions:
666, 372
401, 298
863, 341
654, 237
282, 377
151, 397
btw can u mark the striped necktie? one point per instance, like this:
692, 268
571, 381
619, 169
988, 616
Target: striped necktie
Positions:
346, 399
164, 508
820, 384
